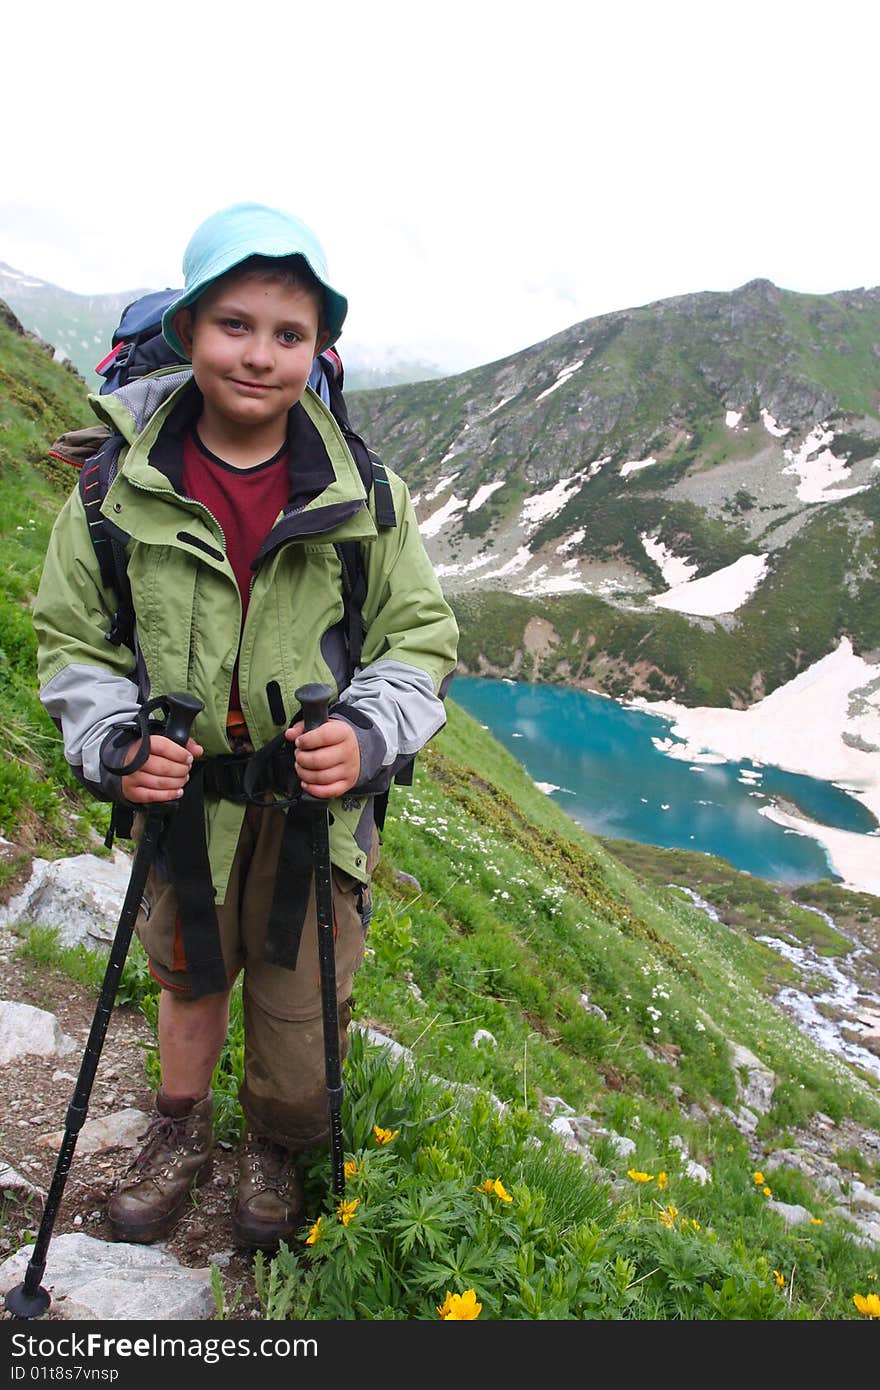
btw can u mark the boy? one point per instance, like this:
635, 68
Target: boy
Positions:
234, 484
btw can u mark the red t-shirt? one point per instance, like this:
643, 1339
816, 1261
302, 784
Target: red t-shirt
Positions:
245, 502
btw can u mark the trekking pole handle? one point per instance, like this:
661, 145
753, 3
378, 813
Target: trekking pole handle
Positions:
315, 700
180, 712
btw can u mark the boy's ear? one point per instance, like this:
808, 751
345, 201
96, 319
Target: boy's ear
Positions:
183, 327
322, 339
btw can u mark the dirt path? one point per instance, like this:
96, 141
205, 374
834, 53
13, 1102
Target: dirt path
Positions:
34, 1095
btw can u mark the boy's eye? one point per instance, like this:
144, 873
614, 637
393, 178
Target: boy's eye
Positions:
288, 336
234, 324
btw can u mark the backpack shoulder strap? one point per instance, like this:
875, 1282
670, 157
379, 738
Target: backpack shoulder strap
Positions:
385, 514
95, 478
351, 559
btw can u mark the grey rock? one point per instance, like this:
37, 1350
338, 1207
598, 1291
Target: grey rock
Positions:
755, 1081
27, 1031
400, 877
92, 1279
80, 896
791, 1213
14, 1181
566, 1129
395, 1049
553, 1105
120, 1130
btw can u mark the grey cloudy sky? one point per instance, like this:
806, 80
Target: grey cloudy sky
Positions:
482, 174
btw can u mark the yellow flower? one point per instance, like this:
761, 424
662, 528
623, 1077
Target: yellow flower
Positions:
384, 1136
496, 1186
815, 1221
346, 1210
315, 1232
780, 1279
351, 1168
759, 1179
668, 1215
460, 1307
695, 1224
639, 1177
869, 1305
767, 1191
662, 1180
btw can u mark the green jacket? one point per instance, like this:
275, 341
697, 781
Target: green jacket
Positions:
188, 613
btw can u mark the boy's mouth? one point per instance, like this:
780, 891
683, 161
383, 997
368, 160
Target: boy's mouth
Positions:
257, 387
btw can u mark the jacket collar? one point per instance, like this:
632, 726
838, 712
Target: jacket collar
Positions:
326, 490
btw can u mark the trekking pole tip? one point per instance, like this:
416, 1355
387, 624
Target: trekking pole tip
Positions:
24, 1304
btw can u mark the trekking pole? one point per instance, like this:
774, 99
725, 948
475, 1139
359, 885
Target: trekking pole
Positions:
29, 1299
314, 700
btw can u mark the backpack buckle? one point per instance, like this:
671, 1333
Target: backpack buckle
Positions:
120, 632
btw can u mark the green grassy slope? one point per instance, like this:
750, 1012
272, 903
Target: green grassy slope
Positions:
38, 401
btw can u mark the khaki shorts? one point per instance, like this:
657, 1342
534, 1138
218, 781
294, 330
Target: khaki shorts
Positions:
283, 1094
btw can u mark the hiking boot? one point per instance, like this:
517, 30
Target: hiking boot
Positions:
155, 1188
270, 1194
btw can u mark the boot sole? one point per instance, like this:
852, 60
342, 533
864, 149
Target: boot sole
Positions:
145, 1232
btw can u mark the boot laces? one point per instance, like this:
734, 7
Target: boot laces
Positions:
162, 1136
268, 1161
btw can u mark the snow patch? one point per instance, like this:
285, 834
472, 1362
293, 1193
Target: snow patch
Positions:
21, 281
675, 570
477, 563
549, 504
574, 539
818, 468
540, 582
437, 520
836, 696
635, 465
722, 592
441, 486
561, 379
517, 562
483, 493
770, 425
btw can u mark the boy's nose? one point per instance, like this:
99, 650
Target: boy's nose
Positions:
258, 351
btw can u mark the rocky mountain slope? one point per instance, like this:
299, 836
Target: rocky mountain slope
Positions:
699, 472
703, 425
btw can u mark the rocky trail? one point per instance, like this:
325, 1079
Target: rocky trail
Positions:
45, 1020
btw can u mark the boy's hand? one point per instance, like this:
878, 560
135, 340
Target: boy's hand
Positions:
164, 774
328, 759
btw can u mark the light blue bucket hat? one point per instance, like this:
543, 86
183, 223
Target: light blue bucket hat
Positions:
231, 236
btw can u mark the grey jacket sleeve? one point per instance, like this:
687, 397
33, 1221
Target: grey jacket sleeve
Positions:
87, 685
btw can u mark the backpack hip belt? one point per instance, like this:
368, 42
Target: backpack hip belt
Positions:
268, 779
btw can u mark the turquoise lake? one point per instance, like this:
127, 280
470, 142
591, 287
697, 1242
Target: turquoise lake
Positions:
612, 780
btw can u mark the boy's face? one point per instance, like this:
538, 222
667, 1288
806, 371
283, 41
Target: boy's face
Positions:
252, 342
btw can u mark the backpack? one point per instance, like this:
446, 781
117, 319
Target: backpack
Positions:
138, 348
